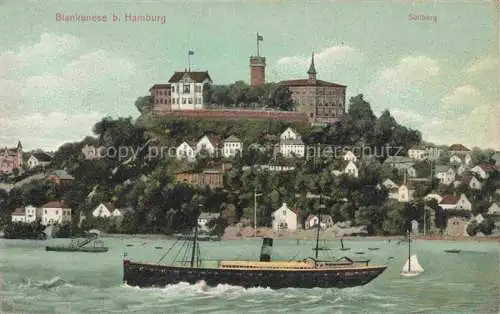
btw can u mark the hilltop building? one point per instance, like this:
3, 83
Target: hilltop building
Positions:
323, 102
11, 158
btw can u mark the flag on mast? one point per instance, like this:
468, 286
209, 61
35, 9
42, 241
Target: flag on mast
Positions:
191, 52
260, 37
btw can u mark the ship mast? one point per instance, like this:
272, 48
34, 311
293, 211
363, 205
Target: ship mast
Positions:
321, 206
409, 251
193, 252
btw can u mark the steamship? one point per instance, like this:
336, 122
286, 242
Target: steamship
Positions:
306, 273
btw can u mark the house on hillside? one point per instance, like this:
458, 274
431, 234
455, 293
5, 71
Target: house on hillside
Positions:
39, 159
291, 144
417, 153
349, 156
405, 193
464, 160
312, 222
351, 169
494, 208
233, 146
484, 171
27, 214
105, 210
208, 144
11, 158
459, 149
456, 227
185, 152
186, 89
55, 212
60, 177
445, 174
205, 218
212, 178
284, 219
453, 202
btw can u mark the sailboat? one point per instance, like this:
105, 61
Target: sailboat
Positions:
305, 273
412, 267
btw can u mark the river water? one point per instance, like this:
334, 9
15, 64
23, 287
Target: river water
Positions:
35, 281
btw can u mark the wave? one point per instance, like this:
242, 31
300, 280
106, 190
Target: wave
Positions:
54, 282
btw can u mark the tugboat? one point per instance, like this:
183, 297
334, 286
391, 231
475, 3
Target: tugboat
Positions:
306, 273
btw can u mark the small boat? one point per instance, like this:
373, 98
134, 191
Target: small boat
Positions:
373, 248
305, 273
88, 245
129, 245
412, 267
453, 251
359, 253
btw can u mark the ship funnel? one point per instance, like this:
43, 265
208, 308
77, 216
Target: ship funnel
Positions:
266, 250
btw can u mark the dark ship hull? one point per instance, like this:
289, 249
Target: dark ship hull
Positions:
150, 275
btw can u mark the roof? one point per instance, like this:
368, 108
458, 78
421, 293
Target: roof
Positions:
306, 82
42, 156
441, 168
62, 174
458, 148
160, 86
296, 141
214, 139
206, 215
18, 212
196, 76
55, 204
232, 138
398, 159
450, 200
312, 68
488, 167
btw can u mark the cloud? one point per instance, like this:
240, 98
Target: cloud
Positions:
461, 99
487, 63
403, 76
326, 61
47, 130
77, 85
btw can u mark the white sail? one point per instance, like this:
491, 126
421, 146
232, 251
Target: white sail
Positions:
412, 267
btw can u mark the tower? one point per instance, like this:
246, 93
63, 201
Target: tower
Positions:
312, 72
257, 70
257, 66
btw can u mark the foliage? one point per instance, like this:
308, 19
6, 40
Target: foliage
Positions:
20, 230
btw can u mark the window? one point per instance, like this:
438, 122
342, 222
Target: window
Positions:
186, 89
184, 101
197, 89
173, 89
284, 212
190, 100
57, 212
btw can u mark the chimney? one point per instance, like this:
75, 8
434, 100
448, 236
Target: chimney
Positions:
266, 250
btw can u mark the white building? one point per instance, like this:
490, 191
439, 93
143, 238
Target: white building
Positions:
39, 159
205, 218
452, 202
291, 144
349, 156
417, 153
103, 210
351, 169
494, 209
460, 160
187, 89
483, 171
208, 144
433, 196
232, 147
28, 214
312, 222
405, 193
445, 174
185, 152
55, 212
389, 184
284, 219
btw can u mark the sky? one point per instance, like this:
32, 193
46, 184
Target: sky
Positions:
439, 75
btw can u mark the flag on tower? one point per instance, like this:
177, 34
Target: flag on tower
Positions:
191, 52
260, 37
